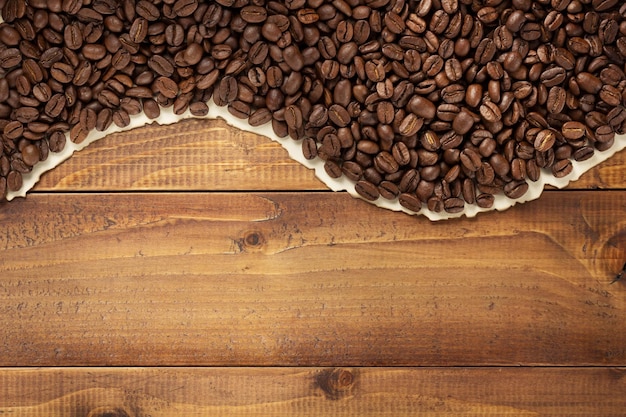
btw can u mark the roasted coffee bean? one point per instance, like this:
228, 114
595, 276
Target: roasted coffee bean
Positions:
490, 112
562, 168
62, 72
573, 130
10, 57
161, 65
367, 190
515, 189
556, 100
150, 109
166, 86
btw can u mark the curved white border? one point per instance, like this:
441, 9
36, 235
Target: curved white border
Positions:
294, 148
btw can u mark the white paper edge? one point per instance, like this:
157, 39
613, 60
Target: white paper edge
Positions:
294, 149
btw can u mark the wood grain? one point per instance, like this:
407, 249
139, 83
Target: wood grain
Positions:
209, 155
313, 392
190, 155
309, 279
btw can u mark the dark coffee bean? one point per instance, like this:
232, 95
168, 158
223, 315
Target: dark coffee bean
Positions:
62, 72
78, 134
166, 86
138, 30
13, 130
184, 8
410, 201
604, 134
463, 123
121, 118
615, 118
589, 82
147, 10
367, 190
307, 16
556, 100
583, 153
544, 140
56, 105
293, 117
260, 117
150, 108
73, 36
603, 5
573, 130
339, 115
309, 148
490, 112
453, 205
422, 107
485, 200
515, 189
410, 125
10, 57
161, 65
94, 52
13, 181
562, 168
385, 162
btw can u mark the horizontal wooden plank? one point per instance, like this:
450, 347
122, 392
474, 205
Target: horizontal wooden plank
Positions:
246, 392
190, 155
308, 279
210, 155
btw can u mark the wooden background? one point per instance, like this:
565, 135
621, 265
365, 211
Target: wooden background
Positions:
195, 270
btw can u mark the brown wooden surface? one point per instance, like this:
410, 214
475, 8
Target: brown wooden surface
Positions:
316, 392
198, 245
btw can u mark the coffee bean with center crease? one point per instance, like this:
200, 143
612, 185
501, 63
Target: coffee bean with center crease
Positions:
10, 57
490, 112
161, 65
166, 86
367, 190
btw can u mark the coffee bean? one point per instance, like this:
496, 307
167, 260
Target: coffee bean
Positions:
490, 112
367, 190
150, 109
556, 100
184, 8
410, 201
515, 189
573, 130
422, 107
10, 57
462, 123
410, 125
604, 133
562, 168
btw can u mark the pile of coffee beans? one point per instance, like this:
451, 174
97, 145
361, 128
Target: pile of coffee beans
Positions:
436, 103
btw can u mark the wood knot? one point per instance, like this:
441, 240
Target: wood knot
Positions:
108, 412
253, 240
337, 382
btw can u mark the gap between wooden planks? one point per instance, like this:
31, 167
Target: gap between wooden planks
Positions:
309, 279
172, 392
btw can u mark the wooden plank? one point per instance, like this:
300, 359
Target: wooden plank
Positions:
209, 155
305, 279
440, 392
190, 155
